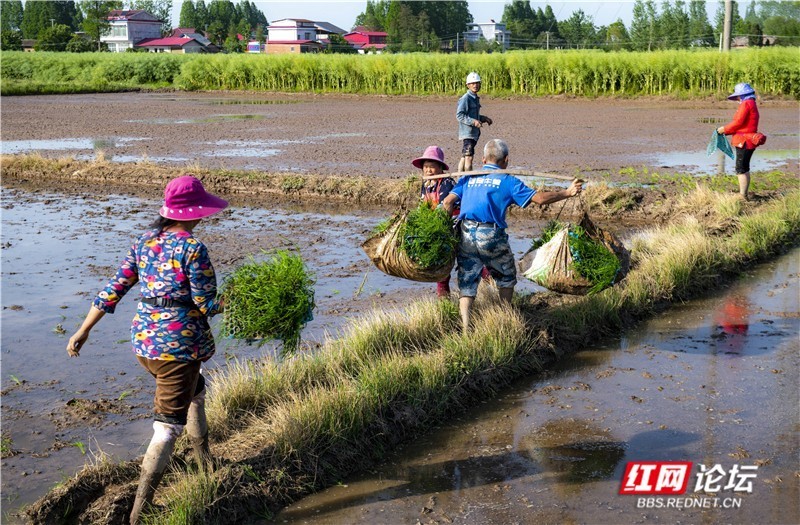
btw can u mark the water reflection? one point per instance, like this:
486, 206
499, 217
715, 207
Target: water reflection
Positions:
578, 450
698, 163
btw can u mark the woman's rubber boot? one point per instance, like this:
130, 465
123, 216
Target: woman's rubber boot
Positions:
154, 465
197, 428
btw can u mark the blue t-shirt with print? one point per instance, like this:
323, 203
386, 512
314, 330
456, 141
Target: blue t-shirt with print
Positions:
485, 198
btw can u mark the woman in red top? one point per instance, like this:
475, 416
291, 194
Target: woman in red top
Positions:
743, 127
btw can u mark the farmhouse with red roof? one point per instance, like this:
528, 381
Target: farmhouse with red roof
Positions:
367, 41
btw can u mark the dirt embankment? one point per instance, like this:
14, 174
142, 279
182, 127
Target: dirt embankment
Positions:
625, 205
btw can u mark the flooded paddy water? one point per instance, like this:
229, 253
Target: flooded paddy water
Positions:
59, 249
551, 449
377, 136
713, 381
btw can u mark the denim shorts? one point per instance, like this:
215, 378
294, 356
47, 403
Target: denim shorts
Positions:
482, 245
468, 149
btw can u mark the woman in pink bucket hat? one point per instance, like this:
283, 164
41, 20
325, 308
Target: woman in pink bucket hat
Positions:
170, 332
436, 185
744, 128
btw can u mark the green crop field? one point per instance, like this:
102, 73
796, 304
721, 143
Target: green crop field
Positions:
585, 73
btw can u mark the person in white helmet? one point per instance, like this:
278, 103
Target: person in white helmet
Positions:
468, 114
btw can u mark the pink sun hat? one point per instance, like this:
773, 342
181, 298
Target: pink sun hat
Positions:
431, 153
185, 199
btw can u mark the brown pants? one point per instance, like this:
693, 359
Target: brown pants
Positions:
176, 382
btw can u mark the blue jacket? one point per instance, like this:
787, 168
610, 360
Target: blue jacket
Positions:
469, 109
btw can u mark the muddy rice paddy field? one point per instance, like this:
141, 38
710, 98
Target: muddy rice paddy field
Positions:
551, 449
361, 135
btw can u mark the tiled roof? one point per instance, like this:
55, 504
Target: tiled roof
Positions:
168, 41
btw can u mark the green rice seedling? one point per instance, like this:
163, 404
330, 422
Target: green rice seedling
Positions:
427, 236
590, 258
384, 225
6, 444
266, 300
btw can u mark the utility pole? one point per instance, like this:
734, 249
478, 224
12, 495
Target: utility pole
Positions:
456, 43
726, 29
548, 39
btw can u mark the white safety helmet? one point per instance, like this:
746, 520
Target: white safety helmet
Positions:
473, 77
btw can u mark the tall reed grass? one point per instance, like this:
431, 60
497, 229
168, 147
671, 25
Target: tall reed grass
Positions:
584, 73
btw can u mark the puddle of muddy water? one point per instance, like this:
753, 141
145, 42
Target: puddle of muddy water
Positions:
713, 381
59, 249
248, 102
200, 120
698, 163
69, 144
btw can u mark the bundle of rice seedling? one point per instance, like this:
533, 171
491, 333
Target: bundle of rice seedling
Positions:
269, 300
418, 245
592, 259
427, 236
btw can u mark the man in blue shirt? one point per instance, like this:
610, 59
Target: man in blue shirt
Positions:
468, 114
485, 199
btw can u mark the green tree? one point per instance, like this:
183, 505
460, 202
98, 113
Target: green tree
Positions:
37, 17
374, 16
337, 44
248, 11
782, 8
673, 26
161, 9
523, 23
782, 19
549, 32
224, 12
78, 44
95, 17
11, 16
422, 25
640, 28
54, 38
217, 32
719, 19
700, 31
201, 16
10, 40
617, 36
786, 29
188, 16
578, 30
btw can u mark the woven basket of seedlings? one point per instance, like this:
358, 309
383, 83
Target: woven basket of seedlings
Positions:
575, 259
418, 245
267, 300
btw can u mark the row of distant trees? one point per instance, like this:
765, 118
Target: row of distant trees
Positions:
415, 25
424, 26
53, 24
222, 20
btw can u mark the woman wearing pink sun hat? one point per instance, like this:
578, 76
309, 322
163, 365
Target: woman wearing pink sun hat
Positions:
436, 184
170, 333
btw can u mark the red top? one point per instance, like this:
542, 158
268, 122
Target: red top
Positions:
744, 125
